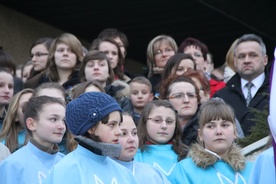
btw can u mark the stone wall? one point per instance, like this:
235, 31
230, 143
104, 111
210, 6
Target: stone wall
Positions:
18, 32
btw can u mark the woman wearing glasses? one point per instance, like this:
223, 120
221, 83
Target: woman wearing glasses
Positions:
159, 51
159, 135
38, 56
65, 56
183, 94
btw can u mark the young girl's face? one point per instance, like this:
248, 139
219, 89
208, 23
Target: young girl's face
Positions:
96, 70
129, 139
23, 99
26, 72
49, 127
65, 58
110, 132
111, 51
218, 136
161, 125
39, 56
6, 88
52, 92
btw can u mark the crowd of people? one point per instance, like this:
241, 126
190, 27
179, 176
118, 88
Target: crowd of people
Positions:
76, 115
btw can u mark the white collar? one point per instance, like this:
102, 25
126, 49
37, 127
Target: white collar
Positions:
257, 82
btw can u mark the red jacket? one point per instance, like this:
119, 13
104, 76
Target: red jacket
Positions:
215, 86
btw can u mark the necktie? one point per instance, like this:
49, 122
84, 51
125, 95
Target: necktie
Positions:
249, 96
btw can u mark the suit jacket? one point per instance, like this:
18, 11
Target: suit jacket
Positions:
233, 95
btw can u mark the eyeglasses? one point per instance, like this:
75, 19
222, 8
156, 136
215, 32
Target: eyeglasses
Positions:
161, 52
38, 54
190, 95
159, 120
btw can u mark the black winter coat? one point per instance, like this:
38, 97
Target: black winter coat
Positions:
233, 95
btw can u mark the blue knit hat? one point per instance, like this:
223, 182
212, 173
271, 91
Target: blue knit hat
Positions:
87, 110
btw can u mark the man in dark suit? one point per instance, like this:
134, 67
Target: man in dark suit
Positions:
249, 87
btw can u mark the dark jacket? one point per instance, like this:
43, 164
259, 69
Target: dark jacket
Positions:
18, 85
43, 78
190, 131
233, 95
35, 81
155, 81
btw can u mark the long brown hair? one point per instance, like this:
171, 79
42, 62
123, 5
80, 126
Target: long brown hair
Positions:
178, 147
75, 46
11, 126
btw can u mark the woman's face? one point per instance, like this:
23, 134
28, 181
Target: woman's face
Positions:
121, 44
111, 51
218, 136
23, 99
161, 125
96, 70
184, 65
65, 58
129, 139
163, 54
196, 53
39, 57
184, 99
6, 88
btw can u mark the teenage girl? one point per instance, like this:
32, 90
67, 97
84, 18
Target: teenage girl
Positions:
160, 134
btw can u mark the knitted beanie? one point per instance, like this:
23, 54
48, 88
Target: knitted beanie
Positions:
87, 110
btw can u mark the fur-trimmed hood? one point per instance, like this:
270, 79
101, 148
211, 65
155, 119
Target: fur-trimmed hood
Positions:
203, 158
121, 92
118, 89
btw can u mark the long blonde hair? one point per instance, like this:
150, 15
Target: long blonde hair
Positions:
11, 126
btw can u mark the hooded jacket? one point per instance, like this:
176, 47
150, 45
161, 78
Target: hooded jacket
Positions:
204, 166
